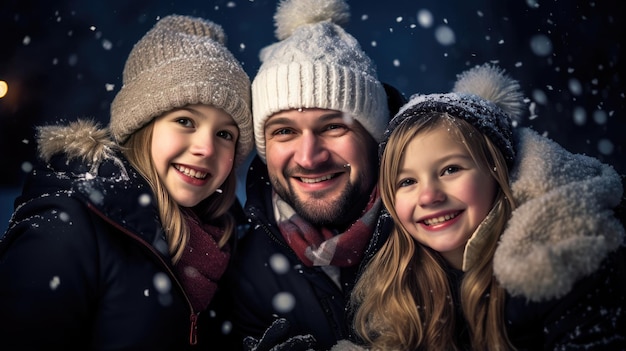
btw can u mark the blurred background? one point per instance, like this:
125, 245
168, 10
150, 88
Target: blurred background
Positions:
62, 60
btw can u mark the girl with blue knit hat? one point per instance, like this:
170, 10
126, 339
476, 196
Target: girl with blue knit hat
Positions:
121, 234
503, 240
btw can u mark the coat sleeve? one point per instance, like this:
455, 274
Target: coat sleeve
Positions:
592, 316
47, 274
564, 225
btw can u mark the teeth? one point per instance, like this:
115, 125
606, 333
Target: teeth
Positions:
440, 219
316, 180
190, 172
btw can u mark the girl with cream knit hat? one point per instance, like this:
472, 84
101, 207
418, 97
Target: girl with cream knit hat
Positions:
122, 234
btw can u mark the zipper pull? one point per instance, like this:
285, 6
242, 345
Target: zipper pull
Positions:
193, 332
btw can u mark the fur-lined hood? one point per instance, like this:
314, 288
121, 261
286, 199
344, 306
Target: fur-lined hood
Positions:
564, 225
80, 161
82, 139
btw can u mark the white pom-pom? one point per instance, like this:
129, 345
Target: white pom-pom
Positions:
491, 83
292, 14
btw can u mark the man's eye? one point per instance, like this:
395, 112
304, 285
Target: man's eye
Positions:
335, 127
282, 131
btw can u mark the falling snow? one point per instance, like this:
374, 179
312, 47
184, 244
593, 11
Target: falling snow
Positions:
284, 302
65, 60
279, 263
560, 59
55, 282
162, 283
145, 199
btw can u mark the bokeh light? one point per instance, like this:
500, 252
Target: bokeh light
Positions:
4, 88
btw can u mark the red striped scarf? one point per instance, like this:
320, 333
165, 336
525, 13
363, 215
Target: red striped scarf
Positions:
324, 247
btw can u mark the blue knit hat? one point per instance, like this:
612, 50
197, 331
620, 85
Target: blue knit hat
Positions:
484, 96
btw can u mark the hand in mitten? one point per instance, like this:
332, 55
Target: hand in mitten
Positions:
274, 339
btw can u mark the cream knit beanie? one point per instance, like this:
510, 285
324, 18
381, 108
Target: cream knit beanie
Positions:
316, 64
182, 60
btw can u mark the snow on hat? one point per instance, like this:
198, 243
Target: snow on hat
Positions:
316, 64
182, 60
483, 96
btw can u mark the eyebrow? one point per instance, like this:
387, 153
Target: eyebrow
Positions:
285, 120
195, 112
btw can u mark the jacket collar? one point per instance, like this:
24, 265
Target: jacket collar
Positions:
81, 159
564, 224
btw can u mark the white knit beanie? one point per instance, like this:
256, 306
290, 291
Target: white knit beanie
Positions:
316, 64
182, 60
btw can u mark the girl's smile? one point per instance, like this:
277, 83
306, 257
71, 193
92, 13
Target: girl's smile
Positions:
442, 194
193, 150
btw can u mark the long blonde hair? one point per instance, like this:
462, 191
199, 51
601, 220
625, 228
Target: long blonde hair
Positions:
214, 209
403, 300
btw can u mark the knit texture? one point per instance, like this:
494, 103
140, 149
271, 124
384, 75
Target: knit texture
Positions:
203, 262
564, 226
316, 64
182, 60
483, 96
322, 246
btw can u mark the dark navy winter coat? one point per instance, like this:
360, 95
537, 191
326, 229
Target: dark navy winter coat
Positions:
266, 276
84, 265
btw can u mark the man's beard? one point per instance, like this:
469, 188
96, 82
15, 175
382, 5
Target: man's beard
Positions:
320, 212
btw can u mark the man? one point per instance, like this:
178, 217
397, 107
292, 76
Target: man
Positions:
313, 210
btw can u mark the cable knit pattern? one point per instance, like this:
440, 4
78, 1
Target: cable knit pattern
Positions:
323, 247
316, 64
203, 262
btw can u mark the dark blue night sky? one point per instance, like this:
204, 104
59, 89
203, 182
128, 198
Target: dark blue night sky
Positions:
64, 59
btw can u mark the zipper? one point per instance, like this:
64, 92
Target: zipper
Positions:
262, 222
193, 333
193, 317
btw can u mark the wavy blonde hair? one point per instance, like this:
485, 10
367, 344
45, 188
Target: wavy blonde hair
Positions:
214, 209
403, 300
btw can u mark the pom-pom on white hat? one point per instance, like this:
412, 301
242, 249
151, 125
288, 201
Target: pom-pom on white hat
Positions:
182, 60
316, 64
